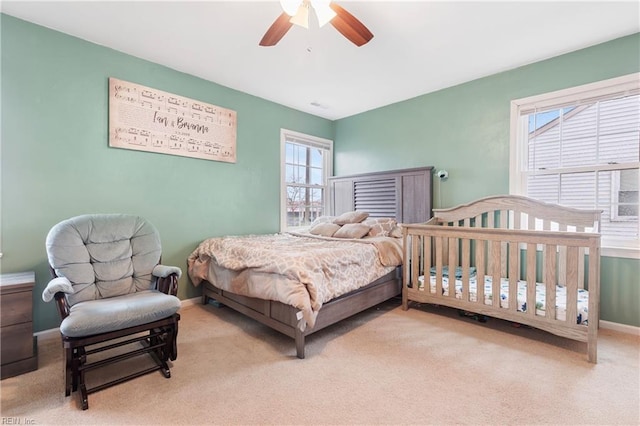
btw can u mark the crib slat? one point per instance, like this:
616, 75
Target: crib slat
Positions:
562, 260
453, 248
581, 253
496, 250
466, 263
531, 279
514, 273
445, 246
480, 269
572, 284
439, 244
550, 280
562, 265
426, 247
504, 214
415, 261
490, 224
453, 261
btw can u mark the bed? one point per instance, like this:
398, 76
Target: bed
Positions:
480, 256
234, 273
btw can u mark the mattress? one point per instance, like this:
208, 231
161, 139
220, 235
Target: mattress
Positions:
561, 295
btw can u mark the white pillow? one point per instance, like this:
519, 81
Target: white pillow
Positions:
322, 219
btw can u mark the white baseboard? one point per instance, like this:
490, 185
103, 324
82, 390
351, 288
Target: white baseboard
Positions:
190, 302
46, 335
54, 333
623, 328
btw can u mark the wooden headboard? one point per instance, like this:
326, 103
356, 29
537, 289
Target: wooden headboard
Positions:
405, 194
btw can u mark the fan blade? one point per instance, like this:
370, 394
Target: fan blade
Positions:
349, 26
277, 30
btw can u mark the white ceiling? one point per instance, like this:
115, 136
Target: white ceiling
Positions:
418, 46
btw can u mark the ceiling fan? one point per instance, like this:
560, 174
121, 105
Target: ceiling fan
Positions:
298, 12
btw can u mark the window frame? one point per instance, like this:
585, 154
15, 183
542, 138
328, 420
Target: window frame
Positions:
615, 203
311, 141
625, 85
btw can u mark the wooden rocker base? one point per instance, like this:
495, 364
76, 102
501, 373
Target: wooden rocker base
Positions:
158, 339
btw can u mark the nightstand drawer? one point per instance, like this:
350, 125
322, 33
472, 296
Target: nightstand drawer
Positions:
17, 342
16, 308
18, 345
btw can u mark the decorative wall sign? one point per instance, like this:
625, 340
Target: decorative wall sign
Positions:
147, 119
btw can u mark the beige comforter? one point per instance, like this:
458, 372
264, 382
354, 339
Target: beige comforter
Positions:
301, 270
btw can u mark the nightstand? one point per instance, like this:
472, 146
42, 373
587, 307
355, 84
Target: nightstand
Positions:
18, 345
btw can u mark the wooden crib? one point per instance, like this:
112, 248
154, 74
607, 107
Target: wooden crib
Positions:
535, 253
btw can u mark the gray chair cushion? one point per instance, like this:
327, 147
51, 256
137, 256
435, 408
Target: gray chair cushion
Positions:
104, 255
103, 315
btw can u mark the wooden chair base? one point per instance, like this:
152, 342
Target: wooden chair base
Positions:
158, 339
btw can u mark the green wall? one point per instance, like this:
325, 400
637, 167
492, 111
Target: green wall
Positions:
56, 162
465, 130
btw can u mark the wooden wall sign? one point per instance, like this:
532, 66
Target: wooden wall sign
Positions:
146, 119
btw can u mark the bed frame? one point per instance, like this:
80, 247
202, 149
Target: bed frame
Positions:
403, 194
514, 237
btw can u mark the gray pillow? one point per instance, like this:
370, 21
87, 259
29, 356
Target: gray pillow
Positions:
352, 230
351, 217
325, 229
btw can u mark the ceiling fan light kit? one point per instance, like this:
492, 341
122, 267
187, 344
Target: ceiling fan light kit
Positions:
301, 17
297, 12
290, 6
324, 13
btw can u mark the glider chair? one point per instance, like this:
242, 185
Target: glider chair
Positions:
115, 299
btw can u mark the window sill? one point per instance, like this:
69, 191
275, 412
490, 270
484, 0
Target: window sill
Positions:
624, 252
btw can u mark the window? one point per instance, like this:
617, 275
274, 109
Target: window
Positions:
307, 162
580, 147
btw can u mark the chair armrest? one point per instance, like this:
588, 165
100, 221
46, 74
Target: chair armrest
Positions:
168, 276
58, 288
162, 271
56, 285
